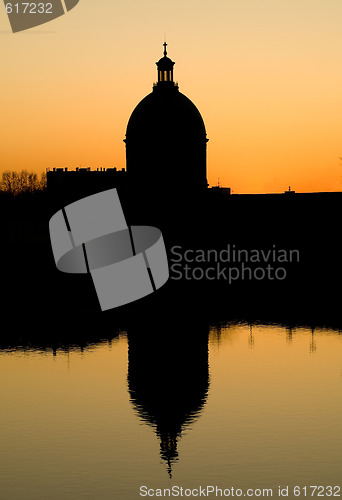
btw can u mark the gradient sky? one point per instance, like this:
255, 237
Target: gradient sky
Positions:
266, 76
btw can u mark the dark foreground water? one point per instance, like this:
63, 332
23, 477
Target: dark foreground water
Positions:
247, 408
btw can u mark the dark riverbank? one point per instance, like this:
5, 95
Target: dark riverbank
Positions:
36, 294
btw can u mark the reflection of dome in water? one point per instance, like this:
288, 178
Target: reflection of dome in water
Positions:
166, 138
168, 379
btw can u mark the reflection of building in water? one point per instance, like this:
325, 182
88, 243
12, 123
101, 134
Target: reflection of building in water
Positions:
251, 339
168, 378
289, 334
313, 346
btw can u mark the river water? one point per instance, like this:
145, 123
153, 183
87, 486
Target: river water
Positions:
235, 406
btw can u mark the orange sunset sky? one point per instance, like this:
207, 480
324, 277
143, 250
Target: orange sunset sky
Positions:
266, 76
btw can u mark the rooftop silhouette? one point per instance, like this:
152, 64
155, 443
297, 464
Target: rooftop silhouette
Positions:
166, 147
172, 196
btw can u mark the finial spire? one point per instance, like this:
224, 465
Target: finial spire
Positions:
165, 45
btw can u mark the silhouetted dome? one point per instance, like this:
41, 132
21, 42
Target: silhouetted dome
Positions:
168, 375
164, 113
165, 63
166, 139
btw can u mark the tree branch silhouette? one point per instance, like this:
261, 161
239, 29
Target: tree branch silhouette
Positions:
16, 183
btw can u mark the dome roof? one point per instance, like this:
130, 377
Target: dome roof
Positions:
166, 140
165, 111
165, 63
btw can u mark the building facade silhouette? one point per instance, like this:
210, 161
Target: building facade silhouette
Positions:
166, 149
166, 141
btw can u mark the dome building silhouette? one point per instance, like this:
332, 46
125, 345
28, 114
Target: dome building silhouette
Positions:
166, 141
168, 375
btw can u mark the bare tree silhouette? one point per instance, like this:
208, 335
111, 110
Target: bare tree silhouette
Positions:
22, 182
